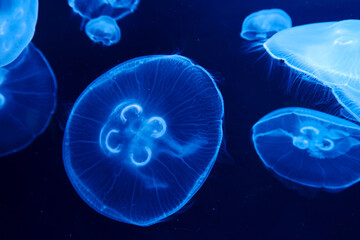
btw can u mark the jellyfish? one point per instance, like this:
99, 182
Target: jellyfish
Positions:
103, 30
17, 26
309, 147
326, 53
116, 9
101, 16
142, 138
27, 99
265, 23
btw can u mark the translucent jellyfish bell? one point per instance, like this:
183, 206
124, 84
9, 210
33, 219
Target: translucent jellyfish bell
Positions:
17, 26
329, 52
142, 138
265, 23
310, 148
103, 30
116, 9
27, 99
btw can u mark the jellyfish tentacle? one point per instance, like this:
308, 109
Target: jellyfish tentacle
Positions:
157, 126
137, 109
142, 162
116, 149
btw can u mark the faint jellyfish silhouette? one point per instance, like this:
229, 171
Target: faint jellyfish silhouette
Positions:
27, 99
102, 16
116, 9
310, 148
103, 30
17, 26
142, 138
326, 53
265, 23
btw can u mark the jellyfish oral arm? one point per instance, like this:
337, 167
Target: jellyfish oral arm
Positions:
134, 131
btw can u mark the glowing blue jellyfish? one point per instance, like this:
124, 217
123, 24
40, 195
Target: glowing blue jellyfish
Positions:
116, 9
103, 30
17, 26
329, 53
265, 23
142, 138
27, 100
309, 147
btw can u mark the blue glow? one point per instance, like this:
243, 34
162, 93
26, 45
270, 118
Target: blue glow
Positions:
27, 99
116, 9
2, 101
142, 138
265, 23
309, 147
103, 30
327, 52
17, 26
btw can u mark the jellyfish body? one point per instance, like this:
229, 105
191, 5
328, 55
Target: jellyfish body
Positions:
27, 99
116, 9
328, 52
263, 24
143, 137
310, 148
17, 26
103, 30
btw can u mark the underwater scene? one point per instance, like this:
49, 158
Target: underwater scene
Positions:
136, 119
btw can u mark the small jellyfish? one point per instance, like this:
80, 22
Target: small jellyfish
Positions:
328, 53
103, 30
27, 99
142, 138
17, 26
263, 24
116, 9
310, 148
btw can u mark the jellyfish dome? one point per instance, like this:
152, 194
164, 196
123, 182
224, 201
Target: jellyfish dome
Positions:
328, 52
27, 99
103, 30
142, 138
17, 26
263, 24
116, 9
310, 148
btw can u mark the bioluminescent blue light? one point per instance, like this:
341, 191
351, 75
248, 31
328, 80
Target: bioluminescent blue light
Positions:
116, 9
27, 99
142, 138
263, 24
309, 147
17, 26
103, 30
328, 52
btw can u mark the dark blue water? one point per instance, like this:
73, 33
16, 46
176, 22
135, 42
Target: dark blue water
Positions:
240, 199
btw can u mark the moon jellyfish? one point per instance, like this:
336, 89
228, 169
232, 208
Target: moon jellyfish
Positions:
17, 26
310, 148
265, 23
142, 138
329, 53
27, 99
103, 30
116, 9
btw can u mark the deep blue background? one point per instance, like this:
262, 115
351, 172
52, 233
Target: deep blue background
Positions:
240, 199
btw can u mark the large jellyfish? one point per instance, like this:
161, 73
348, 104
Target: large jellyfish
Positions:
17, 26
103, 30
142, 138
101, 16
310, 148
27, 99
328, 52
262, 24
